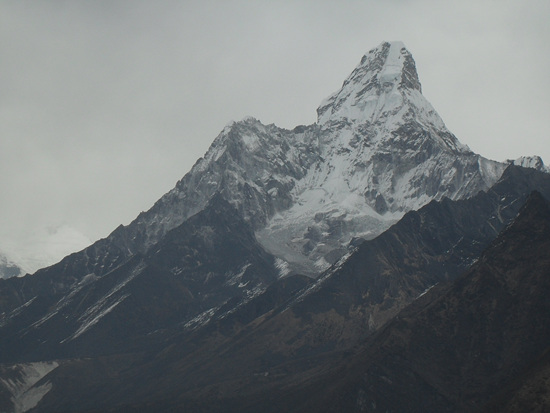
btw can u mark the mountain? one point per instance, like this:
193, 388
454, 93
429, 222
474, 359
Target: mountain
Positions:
534, 162
276, 255
8, 268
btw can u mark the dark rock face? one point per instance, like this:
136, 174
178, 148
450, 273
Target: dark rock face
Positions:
529, 390
100, 258
210, 263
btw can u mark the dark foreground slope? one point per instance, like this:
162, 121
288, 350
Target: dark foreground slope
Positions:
528, 392
456, 348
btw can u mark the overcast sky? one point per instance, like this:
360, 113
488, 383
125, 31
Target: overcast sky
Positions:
104, 105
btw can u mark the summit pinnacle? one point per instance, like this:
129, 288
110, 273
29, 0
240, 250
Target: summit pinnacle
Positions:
377, 83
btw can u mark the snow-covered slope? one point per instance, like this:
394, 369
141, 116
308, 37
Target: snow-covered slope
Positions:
378, 150
26, 385
8, 268
534, 162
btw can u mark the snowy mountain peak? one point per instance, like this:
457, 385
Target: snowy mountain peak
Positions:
534, 162
8, 268
377, 85
378, 150
399, 69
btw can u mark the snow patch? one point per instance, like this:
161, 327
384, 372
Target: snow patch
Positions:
282, 266
66, 299
93, 315
251, 142
236, 278
14, 313
25, 395
104, 305
426, 290
201, 319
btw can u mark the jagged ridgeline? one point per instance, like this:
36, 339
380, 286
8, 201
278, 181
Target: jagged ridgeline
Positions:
378, 150
276, 255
